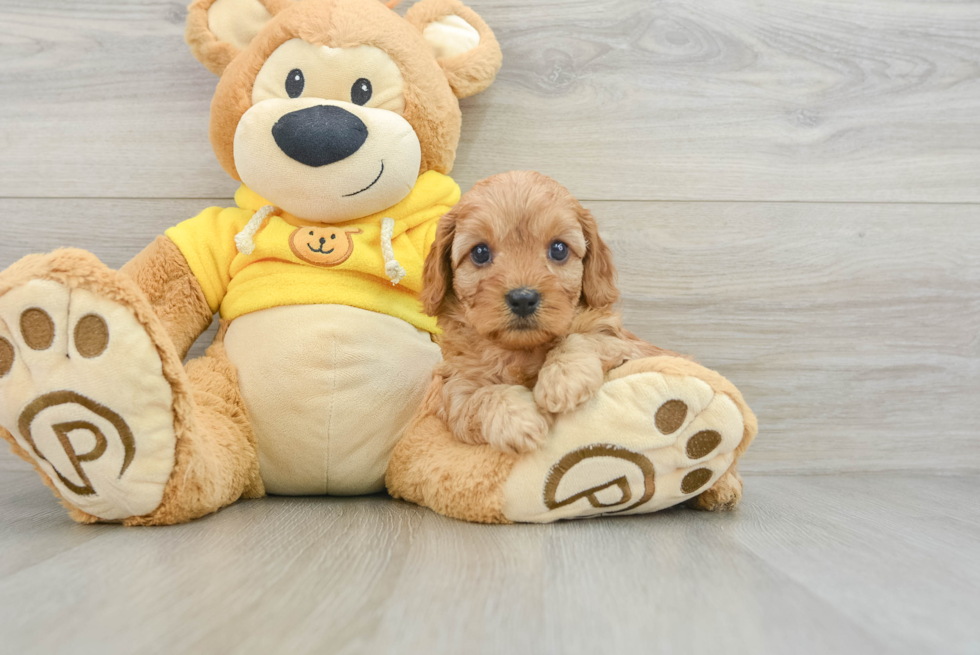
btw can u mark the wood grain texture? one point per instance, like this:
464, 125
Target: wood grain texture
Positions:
880, 563
628, 99
850, 328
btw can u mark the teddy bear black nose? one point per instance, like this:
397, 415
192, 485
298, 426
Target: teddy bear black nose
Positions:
523, 302
320, 135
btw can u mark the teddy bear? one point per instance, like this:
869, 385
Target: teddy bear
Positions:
340, 119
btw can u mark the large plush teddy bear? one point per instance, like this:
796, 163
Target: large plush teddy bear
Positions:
341, 120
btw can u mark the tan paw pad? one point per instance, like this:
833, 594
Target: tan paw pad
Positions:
695, 480
37, 328
6, 356
702, 444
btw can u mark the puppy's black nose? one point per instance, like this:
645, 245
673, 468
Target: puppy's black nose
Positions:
320, 135
523, 302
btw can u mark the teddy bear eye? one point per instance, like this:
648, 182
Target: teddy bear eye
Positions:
480, 254
361, 92
333, 236
558, 251
295, 83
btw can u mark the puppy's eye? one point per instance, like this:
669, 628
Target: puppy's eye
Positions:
361, 92
558, 251
295, 83
480, 254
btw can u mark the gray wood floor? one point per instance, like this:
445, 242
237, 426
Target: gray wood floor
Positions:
883, 562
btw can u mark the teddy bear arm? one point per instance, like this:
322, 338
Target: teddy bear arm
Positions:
162, 273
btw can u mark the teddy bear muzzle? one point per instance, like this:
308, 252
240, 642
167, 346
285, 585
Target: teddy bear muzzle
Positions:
327, 161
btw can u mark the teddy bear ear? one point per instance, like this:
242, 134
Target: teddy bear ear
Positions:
217, 30
462, 43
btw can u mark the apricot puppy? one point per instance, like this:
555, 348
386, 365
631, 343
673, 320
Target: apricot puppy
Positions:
523, 287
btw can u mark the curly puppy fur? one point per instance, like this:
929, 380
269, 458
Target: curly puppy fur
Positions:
507, 376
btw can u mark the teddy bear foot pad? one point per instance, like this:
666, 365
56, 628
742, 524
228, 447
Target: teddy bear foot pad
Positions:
83, 394
645, 442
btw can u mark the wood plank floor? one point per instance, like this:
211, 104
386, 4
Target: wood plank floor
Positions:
875, 563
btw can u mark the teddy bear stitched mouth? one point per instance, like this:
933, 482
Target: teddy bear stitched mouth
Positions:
320, 250
380, 173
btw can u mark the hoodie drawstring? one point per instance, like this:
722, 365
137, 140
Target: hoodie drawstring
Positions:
245, 240
393, 269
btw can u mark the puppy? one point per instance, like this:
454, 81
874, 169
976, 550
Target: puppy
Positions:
523, 288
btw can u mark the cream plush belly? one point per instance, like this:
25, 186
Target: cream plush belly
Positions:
329, 390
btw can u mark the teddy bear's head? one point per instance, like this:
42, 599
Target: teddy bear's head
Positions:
331, 109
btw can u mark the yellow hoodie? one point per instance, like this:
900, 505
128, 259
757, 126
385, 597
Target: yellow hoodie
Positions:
300, 262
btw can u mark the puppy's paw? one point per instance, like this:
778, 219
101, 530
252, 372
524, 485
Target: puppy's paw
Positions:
567, 382
512, 422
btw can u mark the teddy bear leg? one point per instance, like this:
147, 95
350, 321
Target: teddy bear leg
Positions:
429, 467
661, 431
216, 462
93, 394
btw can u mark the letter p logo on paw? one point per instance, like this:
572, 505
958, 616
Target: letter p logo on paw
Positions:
608, 477
52, 425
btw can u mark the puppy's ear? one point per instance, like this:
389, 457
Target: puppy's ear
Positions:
599, 274
217, 30
437, 274
463, 45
